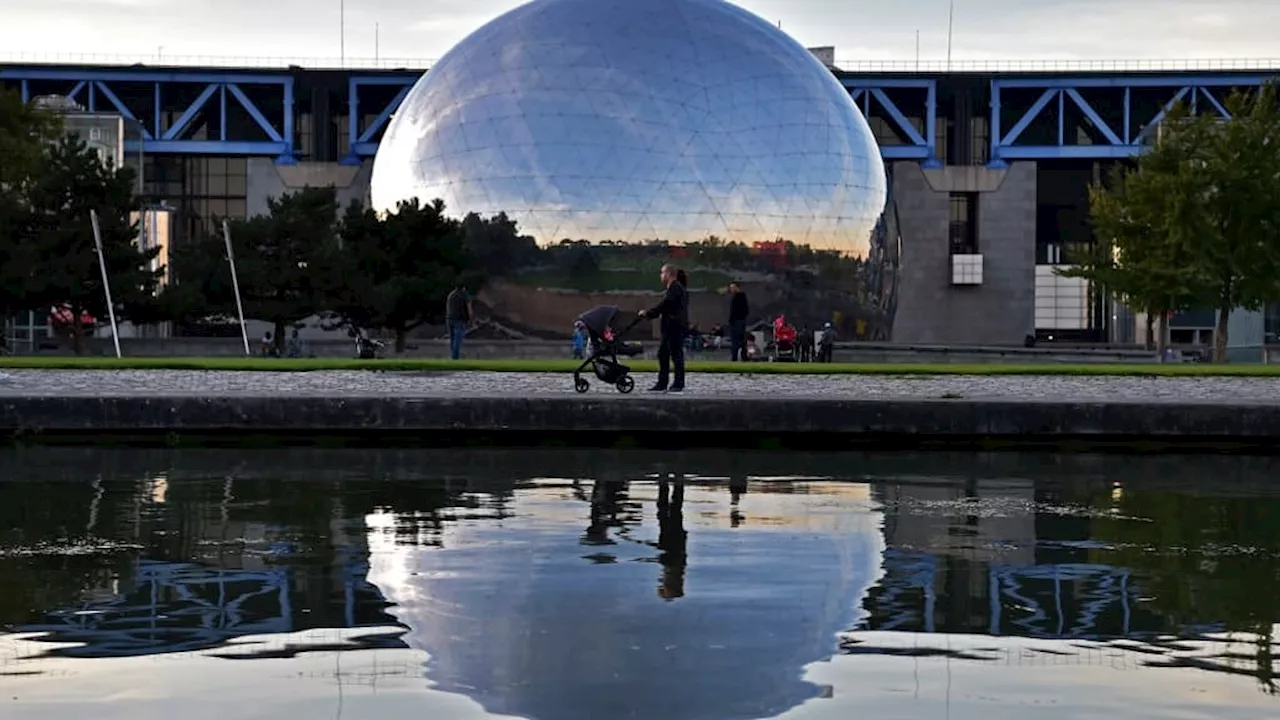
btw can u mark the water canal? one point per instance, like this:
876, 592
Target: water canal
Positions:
587, 584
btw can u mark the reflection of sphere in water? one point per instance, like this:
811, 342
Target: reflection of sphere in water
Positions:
628, 121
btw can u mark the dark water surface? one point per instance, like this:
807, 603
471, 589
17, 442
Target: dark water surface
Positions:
599, 584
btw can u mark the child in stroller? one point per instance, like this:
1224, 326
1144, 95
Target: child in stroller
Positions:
604, 345
784, 340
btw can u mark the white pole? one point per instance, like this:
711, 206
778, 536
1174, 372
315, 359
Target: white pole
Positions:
951, 23
917, 51
342, 33
235, 285
106, 283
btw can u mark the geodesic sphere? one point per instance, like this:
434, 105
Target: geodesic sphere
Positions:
631, 121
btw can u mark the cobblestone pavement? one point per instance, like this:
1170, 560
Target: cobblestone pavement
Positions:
363, 383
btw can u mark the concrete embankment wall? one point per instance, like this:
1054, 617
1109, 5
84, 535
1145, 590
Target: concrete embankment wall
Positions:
673, 421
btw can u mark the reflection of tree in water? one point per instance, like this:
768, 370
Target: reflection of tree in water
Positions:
1166, 573
1207, 562
126, 567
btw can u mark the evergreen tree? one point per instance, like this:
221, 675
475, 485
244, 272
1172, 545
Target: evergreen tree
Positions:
394, 272
58, 239
276, 256
25, 133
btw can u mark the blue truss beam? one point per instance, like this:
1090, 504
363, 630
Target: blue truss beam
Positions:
1122, 142
870, 91
363, 143
360, 140
253, 111
92, 89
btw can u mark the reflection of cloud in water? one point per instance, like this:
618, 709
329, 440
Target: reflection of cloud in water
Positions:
528, 621
319, 682
916, 675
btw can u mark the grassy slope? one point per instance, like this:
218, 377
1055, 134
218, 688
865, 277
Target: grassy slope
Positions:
422, 365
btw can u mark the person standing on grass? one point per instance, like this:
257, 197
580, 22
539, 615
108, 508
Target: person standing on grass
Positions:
673, 316
457, 313
738, 310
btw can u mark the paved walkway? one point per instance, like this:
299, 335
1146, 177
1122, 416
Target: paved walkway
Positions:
188, 382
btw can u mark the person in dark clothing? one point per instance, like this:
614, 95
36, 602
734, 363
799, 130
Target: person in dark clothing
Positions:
457, 313
827, 348
737, 488
673, 318
673, 539
805, 342
738, 310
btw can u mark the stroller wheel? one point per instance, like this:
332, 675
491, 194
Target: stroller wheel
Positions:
626, 384
581, 385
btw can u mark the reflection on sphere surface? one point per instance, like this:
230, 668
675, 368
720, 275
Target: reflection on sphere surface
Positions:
652, 123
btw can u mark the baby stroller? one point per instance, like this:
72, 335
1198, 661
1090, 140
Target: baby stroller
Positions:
784, 340
367, 348
604, 345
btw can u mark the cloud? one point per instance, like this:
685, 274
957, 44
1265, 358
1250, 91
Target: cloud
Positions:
873, 29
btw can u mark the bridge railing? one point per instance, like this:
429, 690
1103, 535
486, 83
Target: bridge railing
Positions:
846, 64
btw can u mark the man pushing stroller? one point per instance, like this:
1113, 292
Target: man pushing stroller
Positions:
673, 318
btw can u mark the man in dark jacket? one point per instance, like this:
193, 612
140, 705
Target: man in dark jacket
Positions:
738, 310
457, 313
673, 320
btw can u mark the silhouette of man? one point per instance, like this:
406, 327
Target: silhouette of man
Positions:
738, 309
672, 538
737, 488
605, 504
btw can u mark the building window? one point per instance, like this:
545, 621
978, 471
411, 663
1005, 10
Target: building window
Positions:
1271, 324
964, 223
202, 190
979, 140
941, 133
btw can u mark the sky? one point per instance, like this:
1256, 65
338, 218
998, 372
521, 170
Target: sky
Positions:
422, 30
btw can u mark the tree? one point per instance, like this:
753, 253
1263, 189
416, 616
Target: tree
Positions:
497, 245
276, 262
1236, 242
1197, 222
394, 272
1137, 256
58, 238
25, 133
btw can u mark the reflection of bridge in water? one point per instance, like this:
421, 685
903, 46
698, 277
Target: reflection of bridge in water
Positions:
1054, 600
182, 607
955, 567
984, 558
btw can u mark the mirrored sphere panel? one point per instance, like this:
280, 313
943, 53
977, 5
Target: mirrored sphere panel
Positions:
603, 126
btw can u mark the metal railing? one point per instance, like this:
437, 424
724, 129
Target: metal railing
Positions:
1070, 65
846, 64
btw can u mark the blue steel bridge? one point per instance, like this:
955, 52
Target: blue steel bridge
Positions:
934, 118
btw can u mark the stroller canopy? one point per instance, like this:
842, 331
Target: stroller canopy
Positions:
599, 318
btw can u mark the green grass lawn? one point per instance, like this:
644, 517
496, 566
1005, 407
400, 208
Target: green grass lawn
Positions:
708, 366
